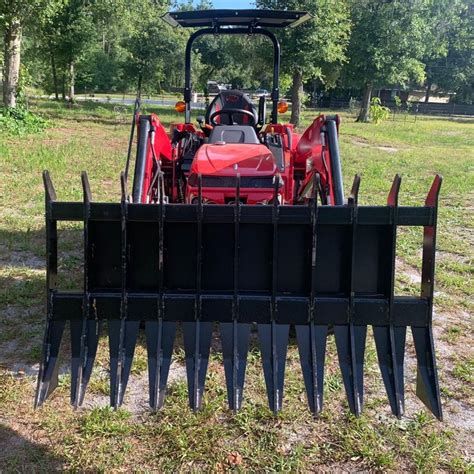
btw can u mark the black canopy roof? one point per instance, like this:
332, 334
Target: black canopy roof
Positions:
210, 18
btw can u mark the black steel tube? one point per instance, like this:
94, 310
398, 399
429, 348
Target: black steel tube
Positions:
233, 31
139, 174
336, 168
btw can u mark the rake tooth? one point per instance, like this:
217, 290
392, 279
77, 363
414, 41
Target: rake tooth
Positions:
427, 388
390, 345
273, 345
159, 342
235, 345
390, 340
311, 341
350, 343
48, 373
79, 382
197, 344
121, 357
76, 330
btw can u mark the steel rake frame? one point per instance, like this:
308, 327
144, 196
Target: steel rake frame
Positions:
134, 295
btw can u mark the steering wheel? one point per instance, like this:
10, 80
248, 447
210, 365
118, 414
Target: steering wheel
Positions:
230, 112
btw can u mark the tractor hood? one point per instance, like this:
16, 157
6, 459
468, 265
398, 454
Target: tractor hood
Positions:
232, 159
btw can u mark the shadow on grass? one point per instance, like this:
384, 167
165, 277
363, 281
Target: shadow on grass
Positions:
21, 455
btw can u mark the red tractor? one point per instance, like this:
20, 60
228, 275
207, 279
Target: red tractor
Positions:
235, 139
240, 220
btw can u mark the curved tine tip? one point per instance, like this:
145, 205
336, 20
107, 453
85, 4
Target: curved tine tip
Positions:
392, 199
48, 186
123, 183
85, 185
433, 193
354, 196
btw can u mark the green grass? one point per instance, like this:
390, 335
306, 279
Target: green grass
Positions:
93, 137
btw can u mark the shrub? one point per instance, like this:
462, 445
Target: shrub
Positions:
20, 121
377, 111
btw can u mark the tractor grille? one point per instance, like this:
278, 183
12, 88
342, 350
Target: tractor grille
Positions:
231, 182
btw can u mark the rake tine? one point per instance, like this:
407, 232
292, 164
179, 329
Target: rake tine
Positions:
160, 337
427, 386
350, 343
79, 333
390, 345
311, 338
390, 340
93, 331
160, 334
48, 374
350, 339
48, 371
198, 334
122, 333
273, 345
235, 344
312, 349
235, 336
274, 337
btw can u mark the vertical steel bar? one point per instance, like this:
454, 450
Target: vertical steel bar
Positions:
274, 309
311, 337
198, 302
317, 403
124, 295
397, 335
353, 203
77, 385
390, 340
47, 376
274, 336
427, 384
157, 376
350, 338
236, 301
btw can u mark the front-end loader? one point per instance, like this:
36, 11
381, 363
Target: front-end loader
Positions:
240, 220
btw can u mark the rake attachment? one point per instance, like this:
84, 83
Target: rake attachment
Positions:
315, 267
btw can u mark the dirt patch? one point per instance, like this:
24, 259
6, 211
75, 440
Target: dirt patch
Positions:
388, 149
363, 142
359, 141
137, 395
20, 259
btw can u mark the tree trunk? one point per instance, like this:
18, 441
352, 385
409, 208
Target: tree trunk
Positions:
296, 94
11, 72
55, 76
365, 105
72, 78
428, 91
63, 89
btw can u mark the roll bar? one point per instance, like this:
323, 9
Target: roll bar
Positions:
233, 31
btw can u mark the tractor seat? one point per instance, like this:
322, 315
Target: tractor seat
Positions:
233, 134
231, 99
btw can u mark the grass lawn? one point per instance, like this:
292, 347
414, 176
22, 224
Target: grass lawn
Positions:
93, 137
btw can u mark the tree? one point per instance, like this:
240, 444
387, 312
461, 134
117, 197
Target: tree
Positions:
450, 67
387, 45
14, 16
316, 48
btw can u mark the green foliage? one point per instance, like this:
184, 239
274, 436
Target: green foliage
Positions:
105, 422
20, 121
387, 43
450, 66
318, 47
377, 112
